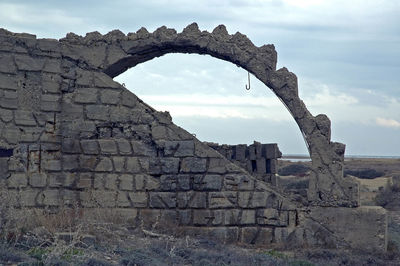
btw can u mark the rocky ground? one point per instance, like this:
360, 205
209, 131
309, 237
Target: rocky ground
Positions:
55, 240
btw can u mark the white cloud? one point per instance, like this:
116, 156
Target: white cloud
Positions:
387, 122
220, 106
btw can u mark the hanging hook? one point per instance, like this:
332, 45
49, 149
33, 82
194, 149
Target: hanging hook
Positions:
248, 77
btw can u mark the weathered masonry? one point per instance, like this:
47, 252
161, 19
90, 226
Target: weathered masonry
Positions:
71, 136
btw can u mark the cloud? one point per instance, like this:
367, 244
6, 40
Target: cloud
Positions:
37, 20
220, 106
387, 122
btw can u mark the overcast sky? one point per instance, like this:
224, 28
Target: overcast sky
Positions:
346, 55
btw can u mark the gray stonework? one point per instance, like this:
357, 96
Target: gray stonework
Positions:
70, 135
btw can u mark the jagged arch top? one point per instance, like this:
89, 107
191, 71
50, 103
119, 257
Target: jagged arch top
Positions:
115, 52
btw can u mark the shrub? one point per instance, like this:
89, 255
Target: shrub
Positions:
294, 169
364, 173
389, 196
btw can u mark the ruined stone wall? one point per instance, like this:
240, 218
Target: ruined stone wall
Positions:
260, 160
72, 137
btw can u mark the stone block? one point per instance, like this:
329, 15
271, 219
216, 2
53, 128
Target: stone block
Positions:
272, 217
101, 79
281, 234
119, 163
49, 197
169, 165
240, 152
175, 182
58, 180
225, 235
252, 153
192, 200
272, 166
248, 217
70, 162
257, 199
149, 217
99, 180
28, 63
124, 146
202, 217
108, 146
123, 200
162, 200
24, 118
133, 165
49, 45
261, 165
258, 236
110, 181
217, 166
17, 180
193, 165
86, 95
164, 165
146, 182
231, 217
85, 180
90, 146
9, 103
52, 66
122, 114
28, 197
87, 162
6, 115
184, 217
239, 182
3, 168
97, 112
51, 86
52, 165
271, 151
129, 99
143, 149
104, 198
110, 96
50, 103
70, 145
126, 182
38, 180
226, 199
207, 182
139, 199
11, 135
69, 197
9, 82
179, 148
7, 64
104, 165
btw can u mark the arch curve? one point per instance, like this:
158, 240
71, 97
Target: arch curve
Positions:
327, 186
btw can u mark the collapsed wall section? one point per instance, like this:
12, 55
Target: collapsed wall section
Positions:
72, 137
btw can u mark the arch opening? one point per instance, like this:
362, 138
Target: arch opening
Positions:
209, 99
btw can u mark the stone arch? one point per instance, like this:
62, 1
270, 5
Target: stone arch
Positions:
120, 52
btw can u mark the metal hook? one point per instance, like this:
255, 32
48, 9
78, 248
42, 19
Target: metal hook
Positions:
248, 77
